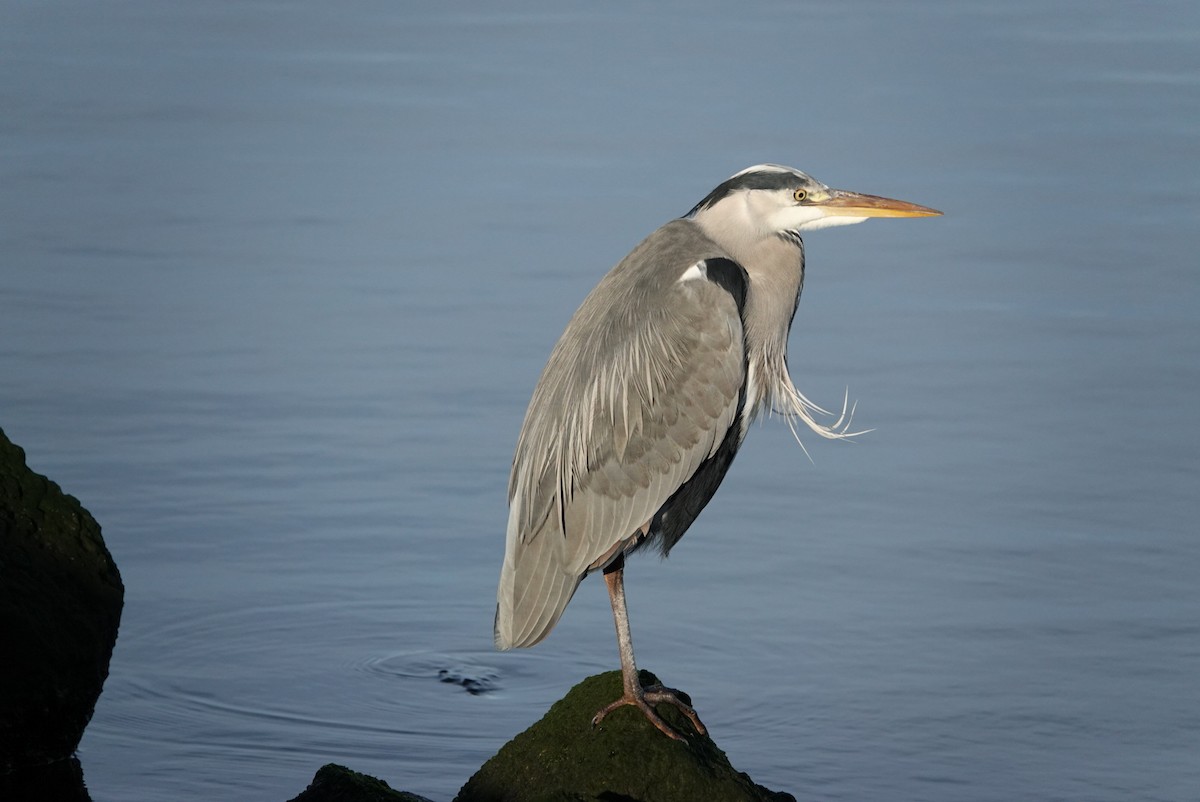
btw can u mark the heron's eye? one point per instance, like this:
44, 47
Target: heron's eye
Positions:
800, 195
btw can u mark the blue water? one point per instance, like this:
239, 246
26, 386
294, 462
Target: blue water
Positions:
276, 281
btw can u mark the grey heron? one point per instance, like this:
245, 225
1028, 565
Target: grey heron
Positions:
648, 395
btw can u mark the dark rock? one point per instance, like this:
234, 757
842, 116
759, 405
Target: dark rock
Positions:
60, 607
334, 783
563, 758
61, 781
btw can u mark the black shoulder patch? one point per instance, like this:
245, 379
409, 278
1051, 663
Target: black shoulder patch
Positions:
730, 276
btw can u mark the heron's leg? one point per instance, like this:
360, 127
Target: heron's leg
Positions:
635, 694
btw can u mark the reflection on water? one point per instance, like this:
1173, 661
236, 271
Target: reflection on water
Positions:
276, 287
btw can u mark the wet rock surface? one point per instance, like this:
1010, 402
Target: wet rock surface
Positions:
564, 758
60, 607
334, 783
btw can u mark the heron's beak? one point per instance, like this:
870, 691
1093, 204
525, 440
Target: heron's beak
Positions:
843, 203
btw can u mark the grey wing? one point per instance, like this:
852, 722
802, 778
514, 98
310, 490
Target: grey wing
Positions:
641, 390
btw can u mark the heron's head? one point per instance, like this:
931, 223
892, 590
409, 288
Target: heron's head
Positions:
767, 200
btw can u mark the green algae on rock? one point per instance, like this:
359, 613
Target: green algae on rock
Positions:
334, 783
563, 758
60, 608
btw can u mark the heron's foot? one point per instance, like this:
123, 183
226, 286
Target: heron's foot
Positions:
644, 699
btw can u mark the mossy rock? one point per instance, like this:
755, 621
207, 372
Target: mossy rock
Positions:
334, 783
563, 758
60, 607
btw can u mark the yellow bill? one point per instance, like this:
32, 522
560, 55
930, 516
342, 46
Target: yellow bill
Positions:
855, 204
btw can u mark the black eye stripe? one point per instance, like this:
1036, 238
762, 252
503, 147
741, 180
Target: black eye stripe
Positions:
763, 179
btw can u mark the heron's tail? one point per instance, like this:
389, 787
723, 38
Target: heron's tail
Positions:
527, 609
535, 587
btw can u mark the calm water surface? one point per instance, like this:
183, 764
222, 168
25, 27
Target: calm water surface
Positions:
276, 281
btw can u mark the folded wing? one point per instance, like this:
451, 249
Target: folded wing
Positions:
642, 389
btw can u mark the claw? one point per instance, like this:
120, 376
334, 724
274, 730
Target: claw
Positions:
644, 699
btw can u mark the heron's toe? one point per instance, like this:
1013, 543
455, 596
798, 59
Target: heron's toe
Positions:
645, 701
